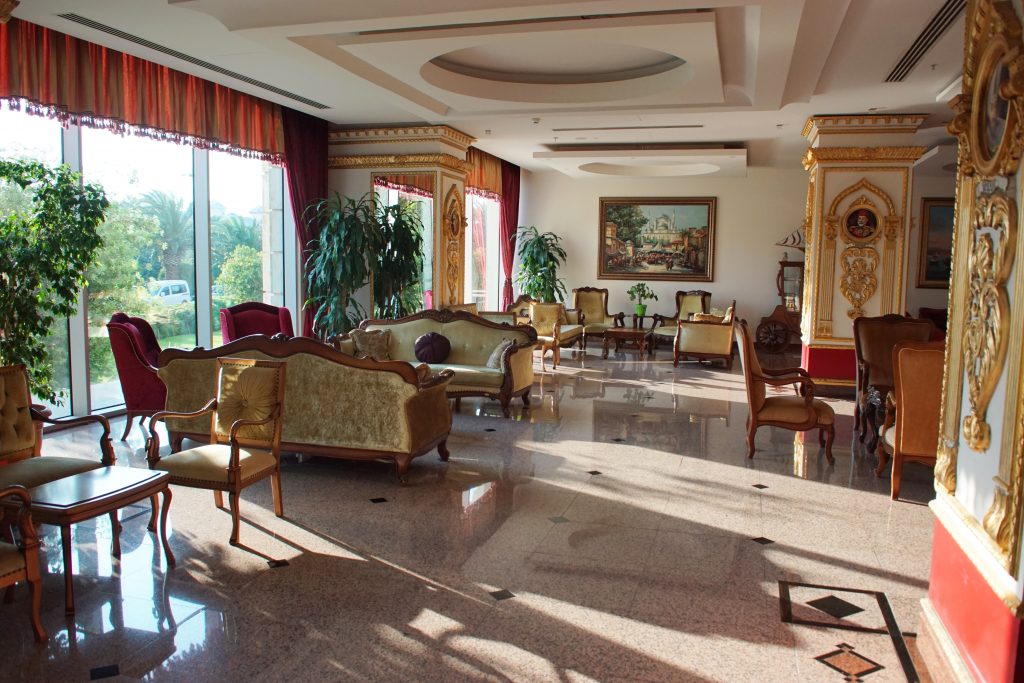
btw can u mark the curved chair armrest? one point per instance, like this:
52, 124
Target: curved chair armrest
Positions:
106, 449
153, 442
782, 372
237, 425
574, 316
663, 320
804, 385
29, 539
440, 378
620, 319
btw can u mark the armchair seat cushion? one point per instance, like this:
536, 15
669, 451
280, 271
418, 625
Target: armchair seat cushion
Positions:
598, 328
567, 333
41, 470
12, 560
890, 438
210, 463
793, 410
665, 331
471, 375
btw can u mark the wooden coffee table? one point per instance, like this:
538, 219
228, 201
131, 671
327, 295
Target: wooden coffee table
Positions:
640, 337
98, 492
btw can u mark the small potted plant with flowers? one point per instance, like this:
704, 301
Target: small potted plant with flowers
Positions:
639, 293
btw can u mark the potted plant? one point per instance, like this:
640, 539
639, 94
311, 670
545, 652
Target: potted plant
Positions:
540, 254
49, 235
398, 268
639, 293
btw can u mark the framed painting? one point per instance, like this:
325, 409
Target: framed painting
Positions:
657, 238
937, 219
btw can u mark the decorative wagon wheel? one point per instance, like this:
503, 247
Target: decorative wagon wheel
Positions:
773, 336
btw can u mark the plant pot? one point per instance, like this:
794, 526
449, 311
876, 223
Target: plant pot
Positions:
641, 309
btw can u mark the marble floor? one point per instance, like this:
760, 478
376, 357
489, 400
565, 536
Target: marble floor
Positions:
614, 531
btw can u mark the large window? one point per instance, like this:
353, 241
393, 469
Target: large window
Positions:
37, 139
392, 194
246, 235
483, 267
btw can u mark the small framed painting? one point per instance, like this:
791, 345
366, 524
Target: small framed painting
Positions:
657, 238
937, 220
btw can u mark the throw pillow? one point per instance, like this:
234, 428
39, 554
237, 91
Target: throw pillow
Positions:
707, 318
432, 347
494, 360
371, 343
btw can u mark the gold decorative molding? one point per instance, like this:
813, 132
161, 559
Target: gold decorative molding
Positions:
387, 161
861, 154
858, 282
454, 219
6, 7
862, 184
824, 328
356, 136
945, 466
866, 124
986, 328
993, 51
997, 522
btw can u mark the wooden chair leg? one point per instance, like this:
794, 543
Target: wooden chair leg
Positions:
35, 587
751, 431
897, 474
154, 503
235, 517
830, 436
275, 488
218, 499
821, 437
556, 356
129, 420
163, 527
115, 541
442, 450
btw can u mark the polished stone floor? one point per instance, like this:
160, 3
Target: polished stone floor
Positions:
615, 531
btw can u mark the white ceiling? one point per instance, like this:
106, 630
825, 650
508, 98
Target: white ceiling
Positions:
531, 79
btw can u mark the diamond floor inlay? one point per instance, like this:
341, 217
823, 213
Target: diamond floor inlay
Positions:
836, 607
853, 665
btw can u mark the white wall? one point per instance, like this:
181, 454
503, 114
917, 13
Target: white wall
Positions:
924, 186
753, 214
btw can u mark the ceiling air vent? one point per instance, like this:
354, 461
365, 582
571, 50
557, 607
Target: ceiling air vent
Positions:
110, 30
942, 20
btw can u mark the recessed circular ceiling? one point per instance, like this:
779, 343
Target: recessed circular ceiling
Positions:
651, 171
556, 62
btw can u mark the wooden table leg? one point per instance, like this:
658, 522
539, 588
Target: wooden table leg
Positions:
163, 527
115, 529
69, 592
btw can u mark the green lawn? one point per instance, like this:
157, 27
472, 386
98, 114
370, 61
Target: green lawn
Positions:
181, 341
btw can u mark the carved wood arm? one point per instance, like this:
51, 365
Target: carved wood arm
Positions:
106, 449
29, 538
785, 371
804, 386
662, 320
440, 378
153, 442
620, 319
238, 424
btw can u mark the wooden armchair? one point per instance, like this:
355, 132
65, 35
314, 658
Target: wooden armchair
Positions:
245, 437
592, 303
20, 562
706, 337
799, 413
687, 303
553, 330
873, 341
911, 428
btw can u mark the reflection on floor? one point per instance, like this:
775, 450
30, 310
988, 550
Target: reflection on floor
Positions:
613, 531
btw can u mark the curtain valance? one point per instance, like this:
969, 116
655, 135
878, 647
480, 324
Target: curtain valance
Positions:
54, 74
484, 177
421, 184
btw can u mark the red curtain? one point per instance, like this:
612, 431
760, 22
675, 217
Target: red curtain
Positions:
305, 151
509, 226
53, 74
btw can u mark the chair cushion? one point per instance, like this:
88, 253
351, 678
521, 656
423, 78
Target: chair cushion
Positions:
40, 470
17, 432
791, 409
247, 393
707, 318
597, 328
11, 559
210, 463
494, 360
432, 347
568, 332
667, 331
890, 437
473, 375
372, 343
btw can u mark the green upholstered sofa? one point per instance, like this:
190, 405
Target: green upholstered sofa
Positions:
334, 404
472, 340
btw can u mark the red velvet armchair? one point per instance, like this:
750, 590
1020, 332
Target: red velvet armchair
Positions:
253, 317
135, 351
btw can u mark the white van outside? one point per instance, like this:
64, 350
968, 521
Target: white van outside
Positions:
169, 292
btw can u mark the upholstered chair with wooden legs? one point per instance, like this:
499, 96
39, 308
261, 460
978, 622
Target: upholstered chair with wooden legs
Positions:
553, 330
799, 413
706, 337
20, 562
245, 436
592, 303
911, 429
873, 341
687, 303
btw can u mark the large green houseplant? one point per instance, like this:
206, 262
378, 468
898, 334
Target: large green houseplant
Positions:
48, 237
363, 243
540, 254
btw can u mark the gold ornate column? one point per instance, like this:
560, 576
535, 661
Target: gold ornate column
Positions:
439, 151
856, 261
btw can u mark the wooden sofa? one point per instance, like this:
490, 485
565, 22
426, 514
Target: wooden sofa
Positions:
472, 340
335, 404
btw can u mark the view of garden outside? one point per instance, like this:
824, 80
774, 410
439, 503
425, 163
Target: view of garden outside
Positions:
483, 284
390, 197
39, 139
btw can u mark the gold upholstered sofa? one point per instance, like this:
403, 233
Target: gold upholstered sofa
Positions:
473, 340
334, 404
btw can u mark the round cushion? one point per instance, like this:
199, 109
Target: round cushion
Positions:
432, 347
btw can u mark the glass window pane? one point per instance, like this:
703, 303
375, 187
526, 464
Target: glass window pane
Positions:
37, 138
246, 233
483, 274
425, 205
146, 267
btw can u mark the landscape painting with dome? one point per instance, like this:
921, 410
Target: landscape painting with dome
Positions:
657, 238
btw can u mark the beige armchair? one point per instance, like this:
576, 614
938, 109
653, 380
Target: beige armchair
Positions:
555, 328
592, 303
799, 413
687, 303
911, 429
706, 337
245, 437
